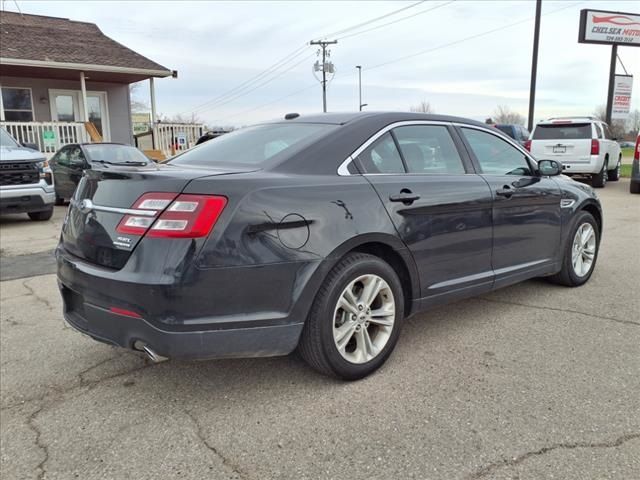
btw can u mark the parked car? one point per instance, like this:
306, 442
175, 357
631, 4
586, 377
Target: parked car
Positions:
320, 232
584, 145
26, 182
635, 169
70, 162
519, 133
626, 144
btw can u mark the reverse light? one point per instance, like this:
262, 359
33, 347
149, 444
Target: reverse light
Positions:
173, 216
527, 145
595, 147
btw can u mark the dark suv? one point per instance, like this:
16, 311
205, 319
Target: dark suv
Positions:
519, 133
321, 233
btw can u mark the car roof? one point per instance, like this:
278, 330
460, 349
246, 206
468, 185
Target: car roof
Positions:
557, 120
343, 118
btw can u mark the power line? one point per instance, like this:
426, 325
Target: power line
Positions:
396, 21
472, 37
247, 83
353, 27
256, 87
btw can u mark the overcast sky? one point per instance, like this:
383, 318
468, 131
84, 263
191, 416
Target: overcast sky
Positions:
216, 46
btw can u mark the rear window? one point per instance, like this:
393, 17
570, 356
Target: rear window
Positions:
254, 145
108, 152
572, 131
505, 129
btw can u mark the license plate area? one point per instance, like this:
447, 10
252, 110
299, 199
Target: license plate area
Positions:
559, 149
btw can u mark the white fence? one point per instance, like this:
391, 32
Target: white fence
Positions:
173, 138
48, 136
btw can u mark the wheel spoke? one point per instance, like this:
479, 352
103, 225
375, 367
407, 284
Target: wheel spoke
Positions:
585, 236
343, 334
346, 304
383, 316
370, 291
364, 345
579, 265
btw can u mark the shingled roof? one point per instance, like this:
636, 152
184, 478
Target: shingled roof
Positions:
60, 40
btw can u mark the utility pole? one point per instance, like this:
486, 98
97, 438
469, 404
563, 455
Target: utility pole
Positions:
534, 65
612, 81
326, 67
360, 104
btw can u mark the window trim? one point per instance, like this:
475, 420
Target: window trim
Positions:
533, 164
5, 109
343, 169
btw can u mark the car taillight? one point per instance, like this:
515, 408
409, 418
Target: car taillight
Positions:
636, 156
527, 145
595, 147
173, 216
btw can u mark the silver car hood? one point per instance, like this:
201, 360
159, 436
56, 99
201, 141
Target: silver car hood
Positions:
20, 154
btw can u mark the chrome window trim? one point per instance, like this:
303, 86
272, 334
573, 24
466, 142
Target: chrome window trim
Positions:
124, 211
343, 169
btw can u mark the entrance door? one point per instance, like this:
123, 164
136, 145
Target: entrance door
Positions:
66, 106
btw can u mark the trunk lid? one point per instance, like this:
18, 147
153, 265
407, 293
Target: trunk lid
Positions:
102, 197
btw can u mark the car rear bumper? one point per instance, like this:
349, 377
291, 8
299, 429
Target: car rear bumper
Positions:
28, 198
128, 332
590, 166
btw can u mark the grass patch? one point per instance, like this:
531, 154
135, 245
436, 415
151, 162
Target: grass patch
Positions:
625, 170
627, 151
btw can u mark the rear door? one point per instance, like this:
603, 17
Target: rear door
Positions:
440, 208
526, 207
563, 140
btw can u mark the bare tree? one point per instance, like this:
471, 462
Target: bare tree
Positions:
137, 105
634, 122
179, 118
503, 114
422, 107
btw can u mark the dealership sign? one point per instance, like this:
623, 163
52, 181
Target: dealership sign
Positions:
622, 97
598, 26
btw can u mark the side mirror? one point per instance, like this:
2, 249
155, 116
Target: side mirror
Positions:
549, 168
32, 146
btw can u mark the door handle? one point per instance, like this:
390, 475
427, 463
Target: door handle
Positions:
405, 196
506, 191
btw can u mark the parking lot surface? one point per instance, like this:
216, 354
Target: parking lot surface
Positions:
533, 381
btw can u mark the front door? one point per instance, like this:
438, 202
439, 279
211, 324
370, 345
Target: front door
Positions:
67, 106
441, 212
526, 209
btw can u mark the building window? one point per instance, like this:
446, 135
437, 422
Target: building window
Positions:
17, 104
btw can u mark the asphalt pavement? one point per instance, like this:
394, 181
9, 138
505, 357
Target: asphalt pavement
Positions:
530, 382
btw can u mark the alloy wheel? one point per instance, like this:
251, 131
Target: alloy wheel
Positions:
583, 252
364, 318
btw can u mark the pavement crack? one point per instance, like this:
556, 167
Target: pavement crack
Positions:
566, 310
31, 422
33, 293
235, 468
511, 462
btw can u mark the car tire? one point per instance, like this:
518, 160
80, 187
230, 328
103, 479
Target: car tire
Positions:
366, 340
634, 187
59, 200
41, 216
600, 180
583, 243
614, 175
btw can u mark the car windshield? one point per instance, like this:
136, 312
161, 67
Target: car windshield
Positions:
6, 140
573, 131
254, 145
108, 152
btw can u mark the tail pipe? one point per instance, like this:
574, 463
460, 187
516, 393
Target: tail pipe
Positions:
153, 356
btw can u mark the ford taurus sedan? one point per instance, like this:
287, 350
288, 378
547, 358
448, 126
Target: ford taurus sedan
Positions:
318, 233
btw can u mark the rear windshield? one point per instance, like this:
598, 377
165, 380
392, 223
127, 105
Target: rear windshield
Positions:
573, 131
254, 145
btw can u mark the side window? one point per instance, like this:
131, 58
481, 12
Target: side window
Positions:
525, 133
62, 157
382, 156
428, 149
495, 156
76, 157
599, 133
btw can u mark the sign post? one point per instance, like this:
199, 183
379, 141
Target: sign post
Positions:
610, 28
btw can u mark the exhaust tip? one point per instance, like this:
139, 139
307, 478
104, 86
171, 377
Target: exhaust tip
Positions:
153, 356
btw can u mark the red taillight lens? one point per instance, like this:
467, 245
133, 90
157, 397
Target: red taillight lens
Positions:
636, 156
124, 312
527, 145
175, 216
595, 147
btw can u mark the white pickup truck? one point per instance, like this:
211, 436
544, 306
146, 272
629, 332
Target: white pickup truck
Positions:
584, 145
26, 181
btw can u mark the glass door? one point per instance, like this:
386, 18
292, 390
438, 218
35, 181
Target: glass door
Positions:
98, 113
64, 105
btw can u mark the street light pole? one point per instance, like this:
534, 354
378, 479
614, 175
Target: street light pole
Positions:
534, 65
359, 67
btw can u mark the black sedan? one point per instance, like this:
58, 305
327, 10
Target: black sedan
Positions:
321, 233
70, 162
